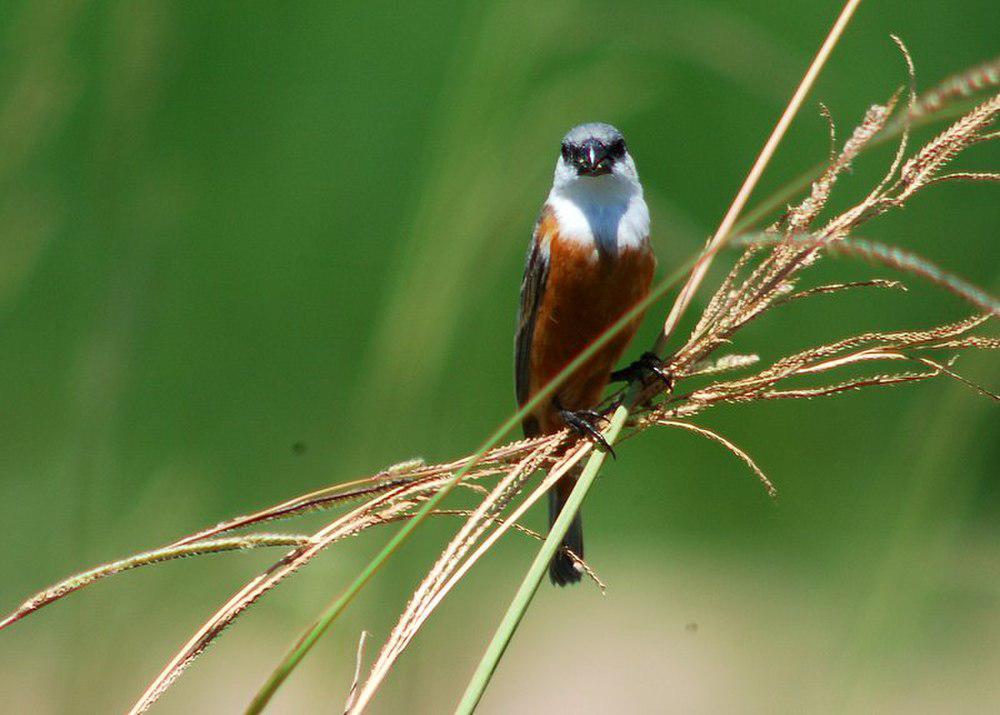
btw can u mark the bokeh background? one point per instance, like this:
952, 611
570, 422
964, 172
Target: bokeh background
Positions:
250, 249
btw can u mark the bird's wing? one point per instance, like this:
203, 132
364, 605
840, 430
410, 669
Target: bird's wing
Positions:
536, 270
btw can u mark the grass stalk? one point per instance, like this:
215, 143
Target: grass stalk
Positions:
743, 195
245, 542
532, 579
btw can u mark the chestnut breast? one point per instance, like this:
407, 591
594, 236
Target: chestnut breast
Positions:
586, 292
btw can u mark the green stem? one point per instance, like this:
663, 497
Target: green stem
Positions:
519, 605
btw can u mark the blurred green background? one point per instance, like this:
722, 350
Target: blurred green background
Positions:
230, 228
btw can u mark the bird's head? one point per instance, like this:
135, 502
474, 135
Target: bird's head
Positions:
595, 152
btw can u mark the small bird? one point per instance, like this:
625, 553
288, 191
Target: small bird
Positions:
589, 263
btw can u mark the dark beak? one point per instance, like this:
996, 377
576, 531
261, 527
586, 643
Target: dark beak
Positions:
592, 159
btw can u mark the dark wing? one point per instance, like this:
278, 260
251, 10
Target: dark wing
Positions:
536, 270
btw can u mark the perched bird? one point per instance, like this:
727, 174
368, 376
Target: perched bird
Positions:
589, 263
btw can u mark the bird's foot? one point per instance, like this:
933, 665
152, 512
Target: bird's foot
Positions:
584, 423
648, 365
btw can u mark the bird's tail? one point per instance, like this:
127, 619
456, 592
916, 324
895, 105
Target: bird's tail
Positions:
562, 569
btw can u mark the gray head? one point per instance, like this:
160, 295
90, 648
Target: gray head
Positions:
592, 149
594, 156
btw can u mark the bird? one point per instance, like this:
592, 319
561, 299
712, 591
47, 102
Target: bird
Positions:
589, 262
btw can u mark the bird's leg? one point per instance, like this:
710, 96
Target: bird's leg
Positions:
582, 422
647, 364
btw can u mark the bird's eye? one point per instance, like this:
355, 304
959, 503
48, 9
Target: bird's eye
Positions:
566, 152
617, 148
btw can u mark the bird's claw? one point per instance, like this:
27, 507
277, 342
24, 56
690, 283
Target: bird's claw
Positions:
582, 422
647, 364
593, 416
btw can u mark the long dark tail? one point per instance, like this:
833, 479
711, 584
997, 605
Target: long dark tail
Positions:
562, 569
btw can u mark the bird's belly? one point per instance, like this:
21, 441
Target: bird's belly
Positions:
584, 295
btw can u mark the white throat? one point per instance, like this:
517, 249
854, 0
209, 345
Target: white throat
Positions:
607, 212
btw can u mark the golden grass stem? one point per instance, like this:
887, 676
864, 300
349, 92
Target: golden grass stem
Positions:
743, 195
147, 558
519, 605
